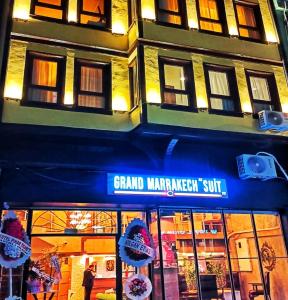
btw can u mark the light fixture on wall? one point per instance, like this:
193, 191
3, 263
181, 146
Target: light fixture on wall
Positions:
193, 24
12, 91
80, 220
148, 13
118, 28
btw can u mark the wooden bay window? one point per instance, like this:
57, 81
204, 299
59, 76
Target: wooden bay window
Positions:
44, 78
171, 12
92, 82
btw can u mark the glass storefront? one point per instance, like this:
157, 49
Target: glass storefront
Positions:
199, 255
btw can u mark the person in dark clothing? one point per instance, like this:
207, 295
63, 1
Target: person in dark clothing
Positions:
88, 280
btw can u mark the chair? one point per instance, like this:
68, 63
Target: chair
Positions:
209, 288
258, 288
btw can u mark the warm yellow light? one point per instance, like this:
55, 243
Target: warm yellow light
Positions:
285, 107
21, 13
13, 91
72, 12
153, 96
271, 37
247, 107
148, 13
68, 99
119, 103
233, 31
193, 24
202, 103
118, 28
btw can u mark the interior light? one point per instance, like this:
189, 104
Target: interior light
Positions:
68, 99
247, 107
285, 107
193, 24
201, 103
21, 13
119, 103
13, 91
233, 31
118, 28
153, 96
148, 13
271, 37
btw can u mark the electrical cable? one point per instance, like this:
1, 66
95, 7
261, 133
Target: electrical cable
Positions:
276, 161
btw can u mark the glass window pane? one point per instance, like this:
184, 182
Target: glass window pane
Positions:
74, 255
156, 269
241, 239
44, 73
91, 79
178, 255
169, 18
171, 5
262, 106
208, 9
250, 33
177, 99
51, 2
174, 77
94, 6
260, 88
212, 256
48, 12
93, 20
222, 104
42, 95
246, 278
211, 26
127, 270
91, 101
73, 222
270, 237
246, 15
219, 83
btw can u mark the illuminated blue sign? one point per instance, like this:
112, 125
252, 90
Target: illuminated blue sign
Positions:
166, 186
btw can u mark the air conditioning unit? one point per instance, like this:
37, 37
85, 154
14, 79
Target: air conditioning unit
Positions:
273, 120
256, 166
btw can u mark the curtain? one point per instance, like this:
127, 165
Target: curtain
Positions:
260, 88
246, 16
91, 80
208, 9
44, 73
219, 83
94, 6
171, 5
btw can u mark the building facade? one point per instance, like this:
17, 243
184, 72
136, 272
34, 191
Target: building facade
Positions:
115, 110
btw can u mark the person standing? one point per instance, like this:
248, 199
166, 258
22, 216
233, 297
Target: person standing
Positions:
88, 280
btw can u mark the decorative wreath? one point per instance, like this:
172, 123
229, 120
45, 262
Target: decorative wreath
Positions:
136, 246
268, 256
138, 287
14, 243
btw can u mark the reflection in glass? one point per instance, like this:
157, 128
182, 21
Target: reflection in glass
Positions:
178, 256
273, 254
212, 256
156, 269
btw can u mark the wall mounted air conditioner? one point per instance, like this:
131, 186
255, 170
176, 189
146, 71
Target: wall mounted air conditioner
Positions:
256, 166
273, 120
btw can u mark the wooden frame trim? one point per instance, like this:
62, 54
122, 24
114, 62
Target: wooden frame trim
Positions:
107, 15
60, 80
182, 13
222, 19
273, 90
63, 7
232, 84
258, 18
106, 81
189, 83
